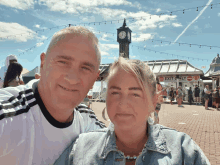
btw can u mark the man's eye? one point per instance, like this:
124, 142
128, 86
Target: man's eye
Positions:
62, 62
114, 93
85, 68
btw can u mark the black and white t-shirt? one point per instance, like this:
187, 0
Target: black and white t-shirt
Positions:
29, 135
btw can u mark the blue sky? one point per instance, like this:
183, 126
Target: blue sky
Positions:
193, 27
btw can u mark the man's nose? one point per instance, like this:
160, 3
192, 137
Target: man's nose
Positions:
73, 76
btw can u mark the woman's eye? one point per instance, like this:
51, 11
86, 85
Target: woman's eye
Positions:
136, 95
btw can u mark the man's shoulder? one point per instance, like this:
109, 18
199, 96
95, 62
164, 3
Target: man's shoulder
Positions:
16, 100
94, 135
82, 108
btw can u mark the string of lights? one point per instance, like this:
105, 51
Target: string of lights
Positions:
165, 41
111, 21
31, 48
169, 54
139, 47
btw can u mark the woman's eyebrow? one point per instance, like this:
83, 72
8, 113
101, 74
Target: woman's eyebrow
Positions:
115, 87
135, 88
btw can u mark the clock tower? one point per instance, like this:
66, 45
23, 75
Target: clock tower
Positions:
124, 39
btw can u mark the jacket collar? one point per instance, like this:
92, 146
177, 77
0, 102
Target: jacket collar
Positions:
156, 141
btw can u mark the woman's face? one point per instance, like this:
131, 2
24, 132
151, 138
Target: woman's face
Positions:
126, 103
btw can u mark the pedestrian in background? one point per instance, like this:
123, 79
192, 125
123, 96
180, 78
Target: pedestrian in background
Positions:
13, 75
206, 96
190, 95
171, 94
196, 94
179, 96
216, 97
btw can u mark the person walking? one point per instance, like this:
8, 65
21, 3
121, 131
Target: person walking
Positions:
179, 96
171, 94
206, 96
190, 96
40, 119
196, 94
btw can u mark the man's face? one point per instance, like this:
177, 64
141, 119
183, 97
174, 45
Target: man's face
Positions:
69, 71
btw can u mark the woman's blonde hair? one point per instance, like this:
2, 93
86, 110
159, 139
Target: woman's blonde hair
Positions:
142, 72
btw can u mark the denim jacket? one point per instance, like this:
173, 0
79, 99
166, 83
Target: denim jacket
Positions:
165, 146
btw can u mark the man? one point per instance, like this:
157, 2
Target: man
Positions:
196, 94
40, 119
180, 96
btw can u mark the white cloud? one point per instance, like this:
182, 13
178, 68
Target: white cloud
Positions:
39, 44
177, 24
106, 48
16, 32
158, 10
218, 14
76, 6
162, 37
18, 4
103, 37
142, 37
43, 37
37, 26
103, 53
147, 23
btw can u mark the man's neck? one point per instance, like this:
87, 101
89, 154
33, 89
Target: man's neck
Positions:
132, 141
59, 114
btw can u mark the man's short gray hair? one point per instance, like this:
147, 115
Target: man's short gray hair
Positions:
77, 31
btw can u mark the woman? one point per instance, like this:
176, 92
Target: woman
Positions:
130, 138
171, 95
206, 96
190, 95
13, 75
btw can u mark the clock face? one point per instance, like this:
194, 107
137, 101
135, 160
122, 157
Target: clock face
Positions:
129, 36
122, 34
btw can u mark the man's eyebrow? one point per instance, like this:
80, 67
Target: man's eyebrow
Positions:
65, 57
135, 88
115, 87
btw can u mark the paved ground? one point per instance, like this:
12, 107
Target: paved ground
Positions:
202, 125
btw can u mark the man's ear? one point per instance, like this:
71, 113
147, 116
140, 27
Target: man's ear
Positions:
98, 73
42, 59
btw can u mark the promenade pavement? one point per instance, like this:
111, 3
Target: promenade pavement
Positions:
202, 125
